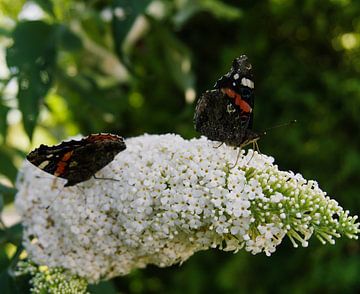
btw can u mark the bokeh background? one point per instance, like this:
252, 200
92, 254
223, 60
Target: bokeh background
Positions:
130, 66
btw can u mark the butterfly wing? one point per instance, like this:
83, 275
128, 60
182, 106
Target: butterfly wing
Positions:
217, 119
238, 86
48, 158
225, 114
96, 152
77, 161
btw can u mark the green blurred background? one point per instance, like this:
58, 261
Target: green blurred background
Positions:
131, 66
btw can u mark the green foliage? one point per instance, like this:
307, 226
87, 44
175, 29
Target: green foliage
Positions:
125, 12
3, 124
46, 5
6, 162
31, 60
92, 66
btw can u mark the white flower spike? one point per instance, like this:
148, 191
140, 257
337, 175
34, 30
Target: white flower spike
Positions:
173, 198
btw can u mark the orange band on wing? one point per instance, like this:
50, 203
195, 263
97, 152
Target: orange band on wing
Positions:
244, 106
62, 164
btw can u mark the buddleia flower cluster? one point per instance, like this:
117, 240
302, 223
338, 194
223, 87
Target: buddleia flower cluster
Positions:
169, 198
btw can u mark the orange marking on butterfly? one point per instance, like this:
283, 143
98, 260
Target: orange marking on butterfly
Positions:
63, 163
244, 106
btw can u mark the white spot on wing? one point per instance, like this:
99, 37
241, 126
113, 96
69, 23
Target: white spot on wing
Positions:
251, 84
236, 76
247, 83
230, 108
43, 164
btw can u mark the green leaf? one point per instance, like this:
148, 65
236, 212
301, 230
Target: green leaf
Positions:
7, 190
67, 39
14, 285
33, 43
46, 5
11, 235
103, 287
3, 123
215, 7
1, 202
7, 284
125, 13
7, 193
15, 234
33, 87
7, 167
176, 55
31, 59
11, 8
221, 9
4, 32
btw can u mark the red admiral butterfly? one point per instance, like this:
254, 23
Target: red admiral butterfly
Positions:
77, 161
225, 114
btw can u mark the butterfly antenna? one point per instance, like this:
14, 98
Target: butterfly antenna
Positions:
279, 126
53, 200
107, 179
216, 147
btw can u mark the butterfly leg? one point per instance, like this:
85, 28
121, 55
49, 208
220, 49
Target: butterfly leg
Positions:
256, 148
237, 159
110, 179
216, 147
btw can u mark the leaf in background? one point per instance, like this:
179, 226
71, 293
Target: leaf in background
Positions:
68, 40
125, 13
176, 55
14, 234
11, 8
221, 9
31, 59
3, 115
103, 287
217, 8
4, 32
8, 193
7, 167
46, 5
7, 284
1, 202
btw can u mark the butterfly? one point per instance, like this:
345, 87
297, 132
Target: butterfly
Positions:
225, 113
77, 160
